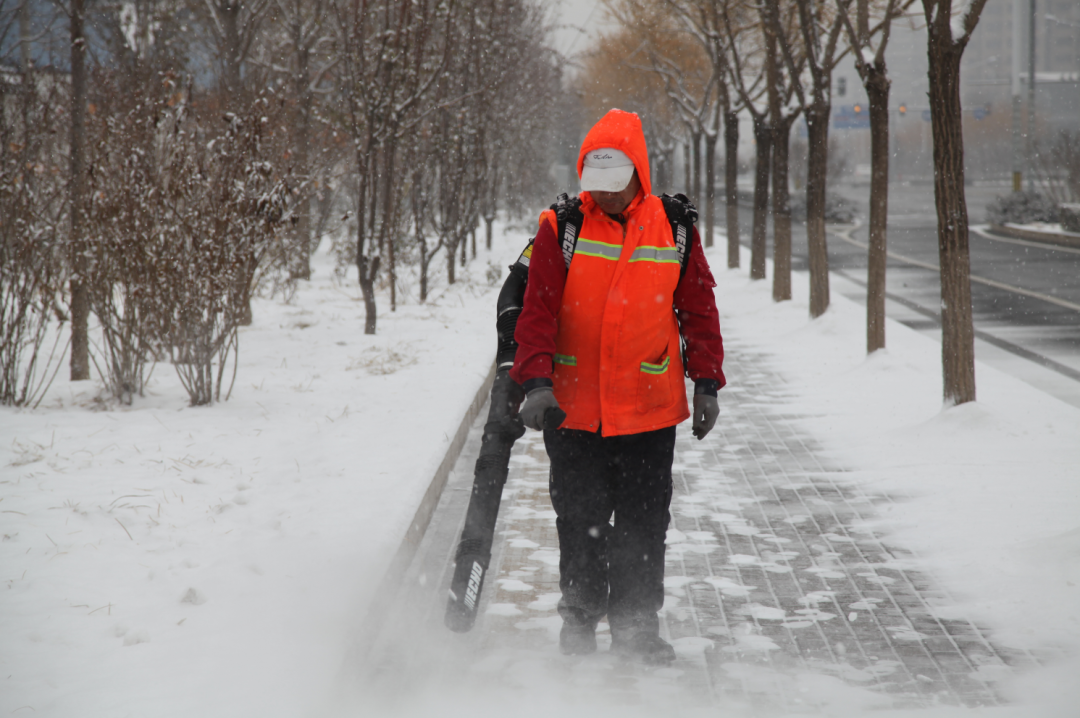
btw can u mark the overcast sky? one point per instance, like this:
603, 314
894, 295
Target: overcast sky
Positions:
577, 22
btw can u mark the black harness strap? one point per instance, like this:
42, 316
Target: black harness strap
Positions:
680, 211
681, 214
569, 216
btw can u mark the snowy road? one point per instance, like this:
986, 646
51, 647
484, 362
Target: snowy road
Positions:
1024, 295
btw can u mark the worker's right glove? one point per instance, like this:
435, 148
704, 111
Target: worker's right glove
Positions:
537, 402
706, 409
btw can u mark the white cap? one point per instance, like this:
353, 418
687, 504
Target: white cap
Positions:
606, 170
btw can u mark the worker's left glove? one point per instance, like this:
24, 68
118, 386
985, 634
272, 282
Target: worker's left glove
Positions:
706, 409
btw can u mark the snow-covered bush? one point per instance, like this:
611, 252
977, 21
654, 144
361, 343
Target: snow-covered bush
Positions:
1021, 208
128, 150
1057, 167
33, 223
184, 217
225, 201
1070, 217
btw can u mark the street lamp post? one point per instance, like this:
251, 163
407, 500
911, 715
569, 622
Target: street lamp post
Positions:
1017, 64
1031, 97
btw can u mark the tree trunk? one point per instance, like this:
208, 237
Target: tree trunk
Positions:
817, 130
229, 11
425, 260
423, 275
387, 234
304, 101
763, 135
877, 89
367, 288
421, 240
957, 331
80, 296
731, 186
367, 268
488, 231
688, 168
25, 39
781, 203
710, 188
695, 139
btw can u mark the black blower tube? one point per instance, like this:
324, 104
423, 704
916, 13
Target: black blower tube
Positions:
502, 429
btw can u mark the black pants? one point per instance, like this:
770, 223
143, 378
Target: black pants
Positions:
613, 568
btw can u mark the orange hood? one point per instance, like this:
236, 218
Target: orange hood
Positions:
621, 131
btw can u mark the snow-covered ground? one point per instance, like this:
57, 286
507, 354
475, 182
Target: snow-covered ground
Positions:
161, 560
1051, 228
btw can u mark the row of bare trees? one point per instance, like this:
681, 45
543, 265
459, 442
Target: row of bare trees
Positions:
696, 64
164, 160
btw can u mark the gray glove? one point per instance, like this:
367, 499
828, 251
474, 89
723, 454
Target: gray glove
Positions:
706, 409
538, 401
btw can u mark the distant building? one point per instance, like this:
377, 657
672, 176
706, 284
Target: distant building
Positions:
986, 90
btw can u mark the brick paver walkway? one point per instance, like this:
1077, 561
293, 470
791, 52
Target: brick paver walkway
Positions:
780, 598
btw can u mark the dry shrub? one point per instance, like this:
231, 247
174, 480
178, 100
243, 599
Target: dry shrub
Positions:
32, 224
186, 212
1057, 168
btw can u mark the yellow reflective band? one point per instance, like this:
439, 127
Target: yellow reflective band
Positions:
655, 368
660, 255
601, 250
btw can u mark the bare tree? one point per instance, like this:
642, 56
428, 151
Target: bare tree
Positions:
704, 21
391, 60
870, 64
670, 49
421, 194
234, 27
820, 29
721, 23
948, 32
779, 28
460, 170
614, 76
300, 32
749, 72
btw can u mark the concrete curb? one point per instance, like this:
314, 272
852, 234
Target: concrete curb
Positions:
1063, 239
406, 551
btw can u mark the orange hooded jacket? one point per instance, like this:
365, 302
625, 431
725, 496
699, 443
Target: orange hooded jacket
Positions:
617, 362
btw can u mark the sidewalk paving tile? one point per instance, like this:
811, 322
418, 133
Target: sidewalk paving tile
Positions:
773, 579
779, 596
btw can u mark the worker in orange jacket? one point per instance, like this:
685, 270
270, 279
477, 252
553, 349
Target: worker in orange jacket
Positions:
600, 339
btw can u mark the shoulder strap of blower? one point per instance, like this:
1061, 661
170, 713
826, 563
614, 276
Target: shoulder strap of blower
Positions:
680, 211
681, 214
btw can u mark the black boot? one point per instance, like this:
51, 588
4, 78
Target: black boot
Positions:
577, 640
647, 648
578, 634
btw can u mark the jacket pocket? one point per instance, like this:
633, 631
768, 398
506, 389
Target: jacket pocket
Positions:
565, 378
654, 385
